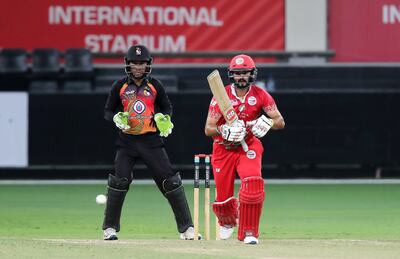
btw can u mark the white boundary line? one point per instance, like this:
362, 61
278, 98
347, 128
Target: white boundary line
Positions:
148, 181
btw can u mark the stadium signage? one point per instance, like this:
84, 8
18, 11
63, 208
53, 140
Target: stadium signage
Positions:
163, 26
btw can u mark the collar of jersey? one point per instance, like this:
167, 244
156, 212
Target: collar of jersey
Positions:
144, 82
241, 99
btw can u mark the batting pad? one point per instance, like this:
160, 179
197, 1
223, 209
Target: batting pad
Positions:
226, 211
251, 197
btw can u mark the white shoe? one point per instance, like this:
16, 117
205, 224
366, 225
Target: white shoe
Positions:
189, 234
225, 232
250, 240
110, 234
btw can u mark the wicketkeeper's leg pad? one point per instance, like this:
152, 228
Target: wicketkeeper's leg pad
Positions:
172, 183
251, 198
226, 211
117, 189
175, 194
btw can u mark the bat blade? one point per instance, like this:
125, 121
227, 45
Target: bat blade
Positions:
218, 89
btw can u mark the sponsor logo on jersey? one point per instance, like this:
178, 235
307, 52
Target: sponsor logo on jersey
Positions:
130, 92
146, 91
252, 100
217, 170
242, 107
139, 107
251, 154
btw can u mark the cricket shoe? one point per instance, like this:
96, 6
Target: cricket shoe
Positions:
189, 234
225, 232
250, 240
110, 234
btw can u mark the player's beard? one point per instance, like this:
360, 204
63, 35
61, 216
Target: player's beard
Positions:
242, 84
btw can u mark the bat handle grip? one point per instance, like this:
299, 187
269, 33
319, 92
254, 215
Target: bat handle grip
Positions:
244, 145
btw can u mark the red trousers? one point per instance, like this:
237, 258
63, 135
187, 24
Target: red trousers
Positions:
226, 163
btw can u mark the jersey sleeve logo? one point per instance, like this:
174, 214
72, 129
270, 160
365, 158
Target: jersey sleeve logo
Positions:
139, 107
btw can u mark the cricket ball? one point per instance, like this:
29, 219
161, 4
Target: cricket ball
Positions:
101, 199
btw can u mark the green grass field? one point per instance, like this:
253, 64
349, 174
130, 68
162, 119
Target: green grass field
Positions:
298, 221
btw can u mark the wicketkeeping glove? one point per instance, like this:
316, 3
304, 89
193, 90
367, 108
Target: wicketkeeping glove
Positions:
261, 126
235, 132
121, 120
164, 124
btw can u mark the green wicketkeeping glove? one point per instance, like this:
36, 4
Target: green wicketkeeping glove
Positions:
121, 120
164, 124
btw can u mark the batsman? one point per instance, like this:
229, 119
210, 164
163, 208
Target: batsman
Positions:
140, 109
257, 113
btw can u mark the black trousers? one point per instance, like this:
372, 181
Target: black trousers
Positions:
150, 149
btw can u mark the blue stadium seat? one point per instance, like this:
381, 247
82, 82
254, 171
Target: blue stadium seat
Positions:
78, 70
13, 61
45, 61
13, 70
78, 60
45, 70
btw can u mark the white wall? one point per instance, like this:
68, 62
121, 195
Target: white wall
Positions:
13, 129
306, 25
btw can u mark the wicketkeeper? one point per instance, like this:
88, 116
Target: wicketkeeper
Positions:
257, 114
141, 110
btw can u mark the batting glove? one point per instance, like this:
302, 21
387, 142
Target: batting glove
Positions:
235, 132
164, 124
261, 126
121, 120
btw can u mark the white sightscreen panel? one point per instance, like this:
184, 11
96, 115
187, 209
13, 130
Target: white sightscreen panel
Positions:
305, 25
13, 129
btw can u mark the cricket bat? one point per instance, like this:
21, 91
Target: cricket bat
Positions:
218, 90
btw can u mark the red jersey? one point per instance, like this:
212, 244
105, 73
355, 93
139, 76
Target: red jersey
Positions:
248, 107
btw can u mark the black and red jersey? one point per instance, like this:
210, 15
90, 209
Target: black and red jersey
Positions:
142, 102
